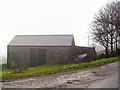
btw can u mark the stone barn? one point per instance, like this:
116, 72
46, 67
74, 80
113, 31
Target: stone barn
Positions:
34, 50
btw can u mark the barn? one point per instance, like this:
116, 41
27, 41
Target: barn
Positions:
34, 50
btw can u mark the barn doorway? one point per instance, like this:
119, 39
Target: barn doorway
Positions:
37, 56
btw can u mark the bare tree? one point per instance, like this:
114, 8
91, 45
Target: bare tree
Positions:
106, 26
113, 19
100, 35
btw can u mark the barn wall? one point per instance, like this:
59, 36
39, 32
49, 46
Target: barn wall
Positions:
20, 56
59, 55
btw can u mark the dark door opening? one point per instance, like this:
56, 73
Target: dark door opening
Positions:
37, 56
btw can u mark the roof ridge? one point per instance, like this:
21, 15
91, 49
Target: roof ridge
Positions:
49, 35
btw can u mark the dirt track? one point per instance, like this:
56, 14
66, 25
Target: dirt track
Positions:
73, 79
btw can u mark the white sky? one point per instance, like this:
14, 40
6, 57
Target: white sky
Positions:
31, 17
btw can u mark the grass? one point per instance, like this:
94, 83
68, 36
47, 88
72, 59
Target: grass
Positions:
52, 69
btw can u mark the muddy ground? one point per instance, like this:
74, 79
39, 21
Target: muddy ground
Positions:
73, 79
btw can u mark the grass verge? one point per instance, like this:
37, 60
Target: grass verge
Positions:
52, 69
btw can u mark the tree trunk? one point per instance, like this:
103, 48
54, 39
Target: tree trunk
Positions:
106, 50
116, 43
111, 44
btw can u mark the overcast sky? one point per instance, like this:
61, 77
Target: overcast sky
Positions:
31, 17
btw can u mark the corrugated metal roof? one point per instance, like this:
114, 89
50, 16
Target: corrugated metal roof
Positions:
42, 40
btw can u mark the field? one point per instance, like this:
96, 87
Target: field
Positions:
8, 74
